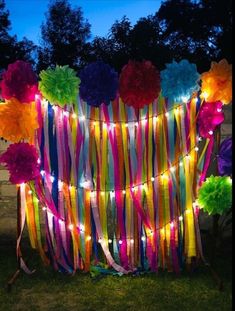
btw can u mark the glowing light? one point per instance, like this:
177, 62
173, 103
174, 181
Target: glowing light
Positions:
136, 124
60, 184
180, 218
60, 221
36, 97
132, 241
144, 121
155, 119
126, 124
143, 238
210, 132
172, 225
152, 178
100, 240
172, 169
38, 161
102, 193
70, 187
94, 123
42, 172
88, 238
85, 184
82, 118
142, 187
104, 126
52, 178
181, 163
114, 124
196, 148
110, 241
199, 138
187, 211
120, 241
44, 208
66, 113
70, 227
30, 192
230, 180
205, 95
167, 114
184, 99
74, 116
123, 191
82, 227
111, 194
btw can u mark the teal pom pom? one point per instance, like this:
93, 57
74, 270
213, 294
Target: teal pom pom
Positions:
215, 194
60, 85
179, 80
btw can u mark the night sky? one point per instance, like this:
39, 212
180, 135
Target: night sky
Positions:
26, 16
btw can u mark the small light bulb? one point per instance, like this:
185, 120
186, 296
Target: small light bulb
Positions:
196, 148
132, 241
100, 240
102, 193
74, 116
123, 191
38, 161
143, 238
181, 163
44, 208
94, 123
154, 119
88, 238
172, 225
30, 192
60, 221
60, 184
144, 121
110, 241
114, 124
219, 109
70, 226
136, 124
180, 218
120, 241
70, 187
52, 178
82, 227
152, 178
172, 169
184, 99
66, 113
199, 138
42, 172
210, 132
82, 118
126, 124
230, 180
167, 114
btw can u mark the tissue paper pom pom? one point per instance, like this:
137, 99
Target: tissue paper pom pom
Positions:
21, 159
19, 81
59, 85
179, 80
209, 117
139, 83
225, 157
217, 82
17, 121
215, 194
99, 84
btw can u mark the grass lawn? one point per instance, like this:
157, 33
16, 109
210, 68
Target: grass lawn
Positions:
49, 290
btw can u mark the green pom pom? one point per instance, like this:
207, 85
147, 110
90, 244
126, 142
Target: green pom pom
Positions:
215, 194
59, 85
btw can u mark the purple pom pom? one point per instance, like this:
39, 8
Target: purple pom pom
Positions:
99, 84
21, 159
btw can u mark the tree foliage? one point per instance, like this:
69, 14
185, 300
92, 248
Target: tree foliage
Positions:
64, 35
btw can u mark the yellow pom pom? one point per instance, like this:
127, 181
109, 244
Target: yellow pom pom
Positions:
217, 82
18, 121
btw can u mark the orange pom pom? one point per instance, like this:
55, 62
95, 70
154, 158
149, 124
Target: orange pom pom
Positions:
18, 121
217, 83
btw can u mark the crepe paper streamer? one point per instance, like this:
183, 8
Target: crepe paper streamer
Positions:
217, 83
18, 122
60, 85
21, 159
225, 157
139, 83
215, 195
19, 81
179, 80
99, 84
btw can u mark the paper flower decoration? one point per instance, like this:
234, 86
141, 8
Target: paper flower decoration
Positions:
99, 84
59, 85
17, 121
139, 83
209, 117
225, 157
179, 80
217, 82
21, 159
215, 194
19, 81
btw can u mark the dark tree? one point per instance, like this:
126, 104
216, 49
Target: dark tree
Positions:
64, 36
10, 48
197, 30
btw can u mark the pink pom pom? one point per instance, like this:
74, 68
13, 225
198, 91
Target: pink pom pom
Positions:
19, 81
21, 159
